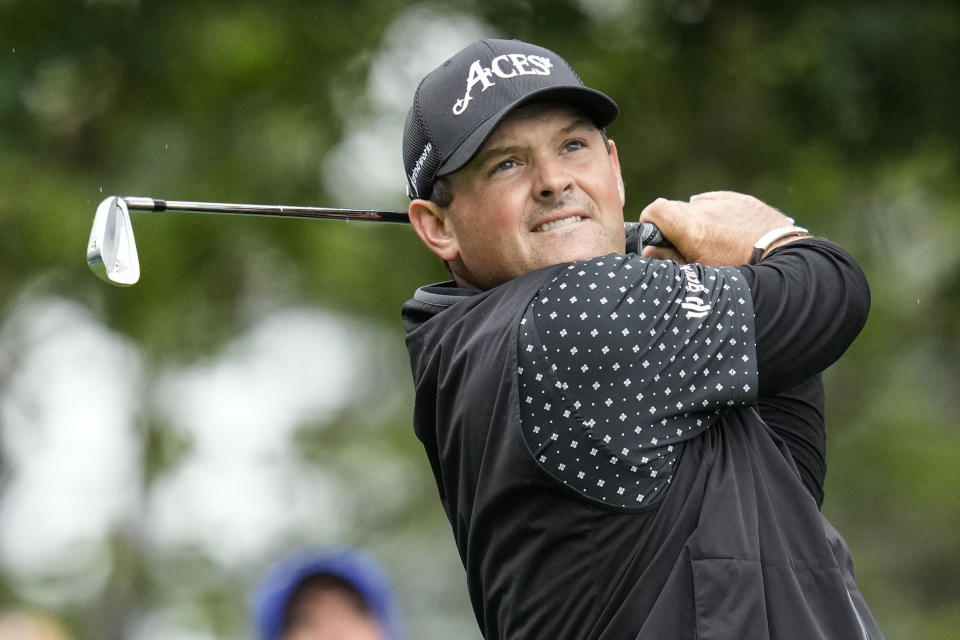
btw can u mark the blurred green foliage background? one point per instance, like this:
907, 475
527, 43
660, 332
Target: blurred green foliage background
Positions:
843, 114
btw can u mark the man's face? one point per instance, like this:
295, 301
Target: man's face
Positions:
330, 613
543, 190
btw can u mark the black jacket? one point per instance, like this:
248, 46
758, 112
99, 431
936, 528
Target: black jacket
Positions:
633, 449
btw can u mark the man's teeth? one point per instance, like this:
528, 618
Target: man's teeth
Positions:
546, 226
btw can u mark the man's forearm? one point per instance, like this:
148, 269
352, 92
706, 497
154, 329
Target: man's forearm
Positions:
811, 299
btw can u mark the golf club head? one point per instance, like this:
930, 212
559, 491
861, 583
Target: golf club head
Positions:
112, 251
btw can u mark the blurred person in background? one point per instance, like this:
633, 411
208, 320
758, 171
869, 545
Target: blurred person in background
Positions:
325, 595
23, 624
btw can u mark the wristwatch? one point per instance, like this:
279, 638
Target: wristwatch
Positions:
760, 246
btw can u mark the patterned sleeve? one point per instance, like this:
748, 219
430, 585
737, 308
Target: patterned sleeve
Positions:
621, 359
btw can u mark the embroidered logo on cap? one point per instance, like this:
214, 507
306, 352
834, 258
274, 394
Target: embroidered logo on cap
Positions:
418, 167
506, 66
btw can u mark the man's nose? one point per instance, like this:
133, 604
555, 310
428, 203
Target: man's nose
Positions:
553, 180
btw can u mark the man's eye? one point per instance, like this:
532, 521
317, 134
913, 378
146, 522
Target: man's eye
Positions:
573, 145
506, 165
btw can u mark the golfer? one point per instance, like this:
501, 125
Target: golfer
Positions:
626, 446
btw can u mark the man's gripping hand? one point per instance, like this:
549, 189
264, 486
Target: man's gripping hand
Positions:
715, 228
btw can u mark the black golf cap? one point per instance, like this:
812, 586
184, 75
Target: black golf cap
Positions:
459, 104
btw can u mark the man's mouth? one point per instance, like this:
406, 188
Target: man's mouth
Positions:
547, 226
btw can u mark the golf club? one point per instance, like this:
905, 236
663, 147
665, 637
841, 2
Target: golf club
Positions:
112, 250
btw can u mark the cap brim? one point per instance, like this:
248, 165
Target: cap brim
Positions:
597, 106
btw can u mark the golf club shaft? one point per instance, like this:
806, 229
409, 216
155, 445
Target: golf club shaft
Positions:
281, 210
648, 234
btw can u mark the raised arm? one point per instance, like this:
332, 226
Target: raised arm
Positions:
810, 297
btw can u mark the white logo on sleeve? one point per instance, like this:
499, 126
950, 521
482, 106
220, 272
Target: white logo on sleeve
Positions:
506, 66
693, 303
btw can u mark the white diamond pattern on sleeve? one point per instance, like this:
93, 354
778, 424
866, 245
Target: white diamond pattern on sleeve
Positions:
622, 364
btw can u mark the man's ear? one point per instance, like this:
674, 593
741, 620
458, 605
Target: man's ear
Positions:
432, 224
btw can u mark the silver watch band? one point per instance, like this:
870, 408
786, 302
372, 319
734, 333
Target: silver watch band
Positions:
767, 239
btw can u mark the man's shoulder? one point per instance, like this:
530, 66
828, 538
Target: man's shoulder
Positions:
452, 301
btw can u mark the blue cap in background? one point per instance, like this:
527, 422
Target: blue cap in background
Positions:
272, 596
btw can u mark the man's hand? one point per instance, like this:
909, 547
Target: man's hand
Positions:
716, 228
